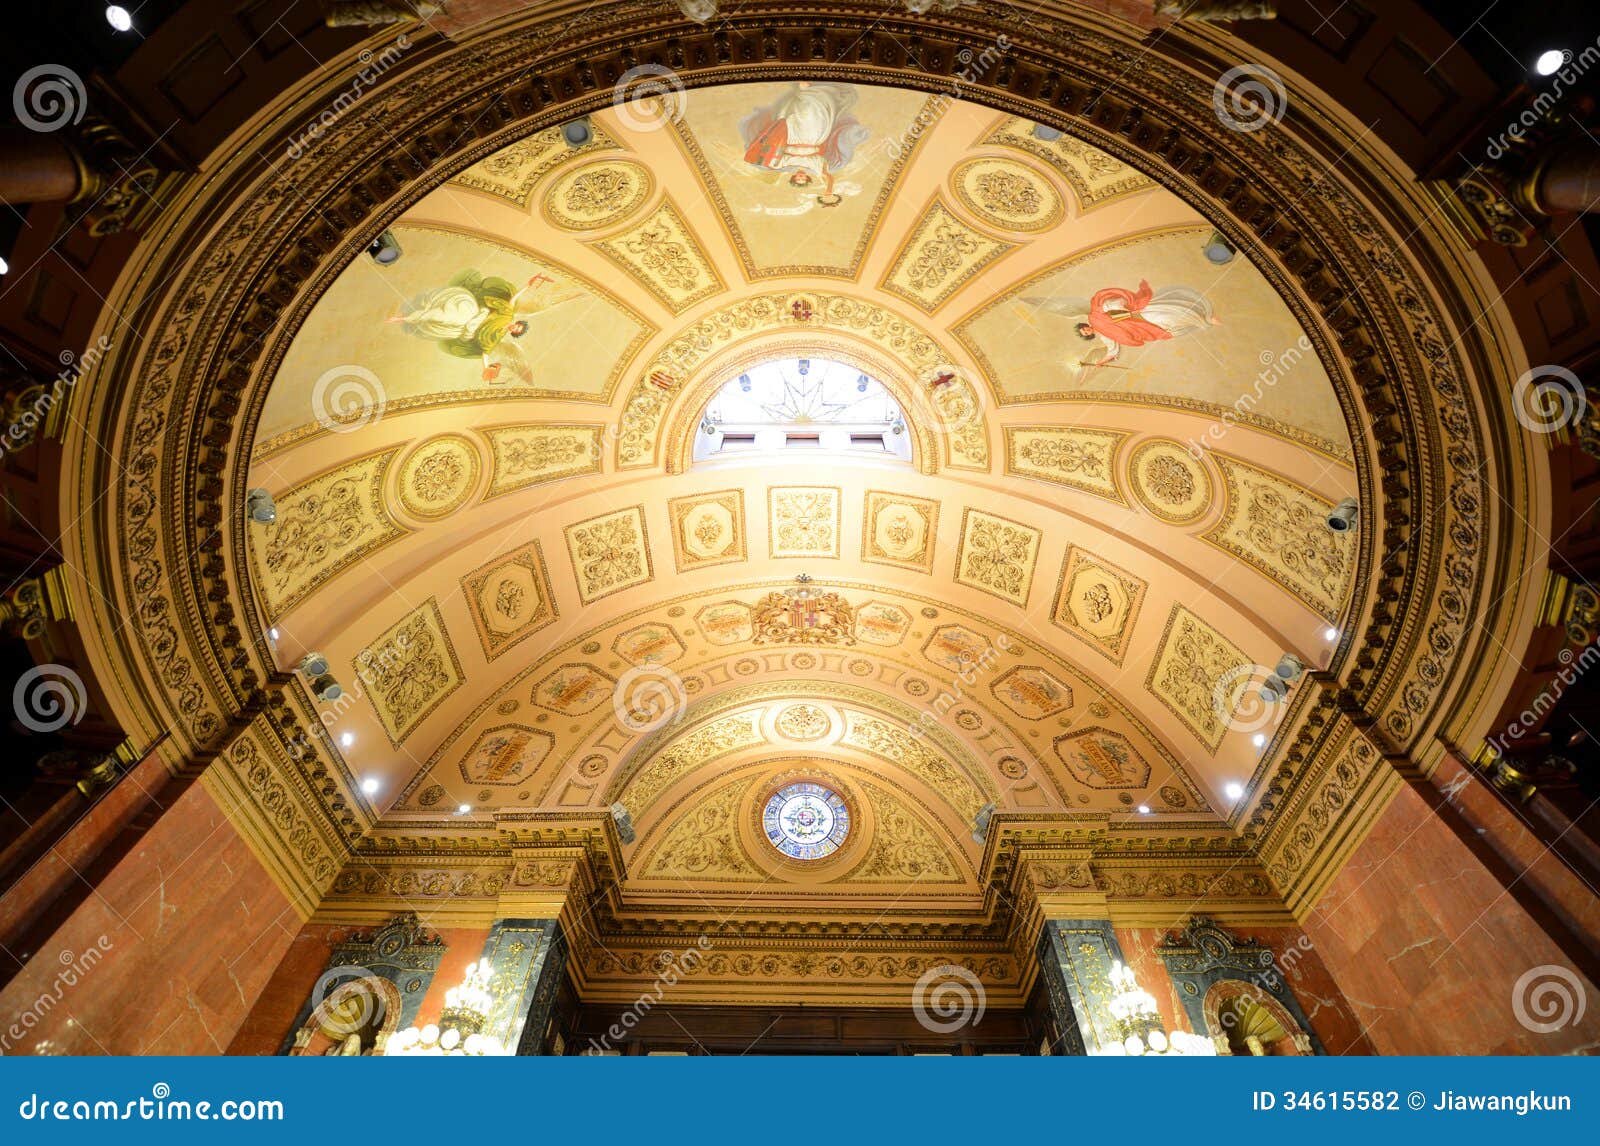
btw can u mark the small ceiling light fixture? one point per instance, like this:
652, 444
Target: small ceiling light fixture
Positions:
4, 266
1345, 516
119, 18
1144, 809
385, 249
1217, 249
1330, 633
1233, 791
1048, 134
1551, 62
578, 132
1259, 740
259, 505
463, 809
369, 786
346, 739
273, 633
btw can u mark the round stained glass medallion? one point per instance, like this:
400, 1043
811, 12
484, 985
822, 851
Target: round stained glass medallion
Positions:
806, 821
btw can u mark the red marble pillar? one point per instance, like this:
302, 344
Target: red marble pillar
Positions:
166, 957
1436, 956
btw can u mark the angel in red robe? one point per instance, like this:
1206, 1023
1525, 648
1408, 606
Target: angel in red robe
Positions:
809, 132
1116, 317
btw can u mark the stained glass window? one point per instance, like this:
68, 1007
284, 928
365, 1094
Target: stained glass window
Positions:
806, 821
802, 403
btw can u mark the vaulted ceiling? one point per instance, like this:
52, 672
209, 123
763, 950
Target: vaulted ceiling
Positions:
505, 548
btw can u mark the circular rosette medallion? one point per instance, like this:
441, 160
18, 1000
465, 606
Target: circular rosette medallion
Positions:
806, 821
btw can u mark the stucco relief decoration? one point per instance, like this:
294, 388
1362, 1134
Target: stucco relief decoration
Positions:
707, 529
726, 623
1194, 658
903, 847
509, 599
1031, 692
409, 670
573, 689
597, 195
609, 553
323, 526
803, 722
1098, 602
512, 172
900, 530
804, 615
941, 255
803, 521
1075, 457
1007, 194
704, 841
506, 755
530, 455
1095, 177
1102, 758
997, 556
1169, 482
438, 476
882, 623
1279, 527
686, 753
666, 257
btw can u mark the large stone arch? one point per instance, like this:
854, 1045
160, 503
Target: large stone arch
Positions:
226, 282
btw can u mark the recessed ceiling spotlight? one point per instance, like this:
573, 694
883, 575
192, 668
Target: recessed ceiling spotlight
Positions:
346, 739
1144, 809
4, 266
273, 633
463, 809
1233, 791
1259, 740
1330, 633
118, 17
369, 786
1549, 63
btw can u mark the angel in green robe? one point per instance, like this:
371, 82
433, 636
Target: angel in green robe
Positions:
480, 316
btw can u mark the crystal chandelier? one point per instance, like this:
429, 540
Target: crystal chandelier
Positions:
1139, 1021
460, 1027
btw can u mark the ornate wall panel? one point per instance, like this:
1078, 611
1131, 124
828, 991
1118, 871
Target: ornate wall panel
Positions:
1082, 459
509, 599
1194, 675
409, 670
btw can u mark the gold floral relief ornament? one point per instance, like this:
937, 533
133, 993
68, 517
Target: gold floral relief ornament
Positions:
598, 195
1007, 194
439, 476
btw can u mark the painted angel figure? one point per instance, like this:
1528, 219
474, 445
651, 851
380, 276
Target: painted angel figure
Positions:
481, 316
808, 132
1116, 317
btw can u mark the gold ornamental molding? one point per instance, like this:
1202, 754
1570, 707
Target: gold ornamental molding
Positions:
231, 269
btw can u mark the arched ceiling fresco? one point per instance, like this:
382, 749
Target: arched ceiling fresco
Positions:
489, 521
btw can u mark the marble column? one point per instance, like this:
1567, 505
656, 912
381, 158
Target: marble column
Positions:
1075, 961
